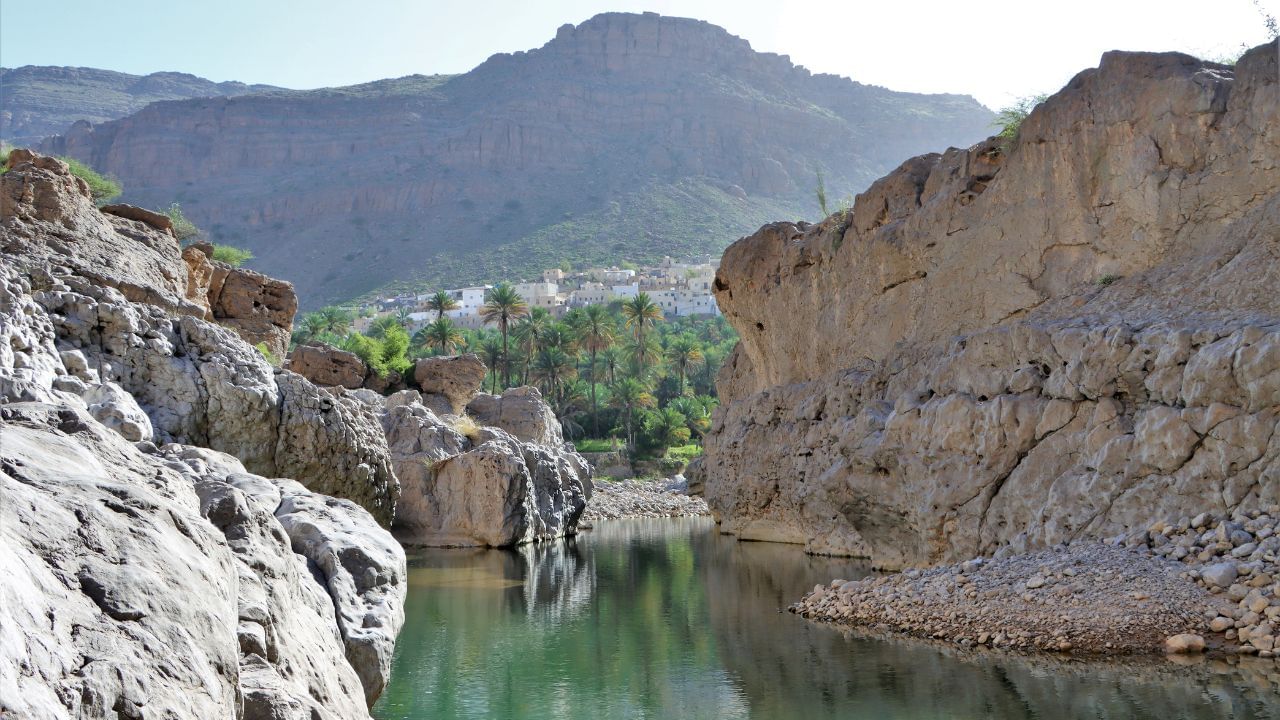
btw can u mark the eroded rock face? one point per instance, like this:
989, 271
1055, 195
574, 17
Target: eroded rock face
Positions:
457, 377
328, 366
172, 581
258, 307
172, 586
1066, 339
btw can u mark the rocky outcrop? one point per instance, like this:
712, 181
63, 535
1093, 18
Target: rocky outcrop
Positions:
519, 411
1020, 346
466, 481
152, 567
327, 366
458, 378
197, 382
258, 307
729, 135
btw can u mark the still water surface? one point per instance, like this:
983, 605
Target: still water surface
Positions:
668, 619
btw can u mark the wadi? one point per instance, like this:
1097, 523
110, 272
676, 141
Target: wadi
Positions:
641, 373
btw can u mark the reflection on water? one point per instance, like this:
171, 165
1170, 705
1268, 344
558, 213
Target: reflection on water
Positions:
668, 619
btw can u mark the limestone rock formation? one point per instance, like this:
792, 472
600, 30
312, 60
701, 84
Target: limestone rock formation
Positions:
149, 573
328, 366
465, 482
519, 411
1004, 348
725, 134
458, 378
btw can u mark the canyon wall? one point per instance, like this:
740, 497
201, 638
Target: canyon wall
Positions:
1009, 346
621, 128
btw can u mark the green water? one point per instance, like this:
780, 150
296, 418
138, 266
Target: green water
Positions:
668, 619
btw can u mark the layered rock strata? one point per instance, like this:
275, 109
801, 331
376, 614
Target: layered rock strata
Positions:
1004, 348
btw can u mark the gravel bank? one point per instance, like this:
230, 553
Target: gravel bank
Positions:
641, 499
1203, 582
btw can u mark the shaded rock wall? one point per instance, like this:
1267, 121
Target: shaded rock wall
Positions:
1073, 336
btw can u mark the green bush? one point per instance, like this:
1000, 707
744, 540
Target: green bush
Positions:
1009, 119
233, 256
272, 358
103, 189
184, 228
684, 453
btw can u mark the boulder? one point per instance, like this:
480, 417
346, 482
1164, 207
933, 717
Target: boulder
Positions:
328, 366
258, 307
159, 221
521, 412
171, 571
456, 377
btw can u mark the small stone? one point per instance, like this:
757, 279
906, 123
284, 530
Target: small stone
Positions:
1221, 624
1035, 582
1184, 643
1220, 574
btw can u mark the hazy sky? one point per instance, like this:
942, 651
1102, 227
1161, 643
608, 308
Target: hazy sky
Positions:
994, 51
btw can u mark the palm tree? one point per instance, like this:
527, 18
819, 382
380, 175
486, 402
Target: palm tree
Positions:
596, 333
443, 335
684, 353
312, 326
502, 306
491, 352
696, 412
641, 313
335, 320
383, 325
441, 302
640, 356
629, 394
554, 367
667, 428
528, 334
612, 357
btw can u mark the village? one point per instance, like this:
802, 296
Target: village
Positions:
679, 289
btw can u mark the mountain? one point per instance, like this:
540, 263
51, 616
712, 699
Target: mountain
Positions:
36, 102
625, 137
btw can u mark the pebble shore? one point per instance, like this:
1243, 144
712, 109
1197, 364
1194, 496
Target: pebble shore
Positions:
1200, 583
641, 499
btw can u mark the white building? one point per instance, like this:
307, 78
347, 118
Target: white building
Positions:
624, 292
538, 294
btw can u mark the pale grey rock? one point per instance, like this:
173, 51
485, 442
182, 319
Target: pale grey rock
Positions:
519, 411
456, 377
110, 405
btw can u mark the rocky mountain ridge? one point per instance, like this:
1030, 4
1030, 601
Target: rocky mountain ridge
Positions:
1074, 336
625, 136
39, 101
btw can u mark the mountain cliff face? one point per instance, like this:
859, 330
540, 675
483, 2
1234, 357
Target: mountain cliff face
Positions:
1001, 349
36, 102
626, 136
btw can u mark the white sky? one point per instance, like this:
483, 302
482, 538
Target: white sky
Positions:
995, 51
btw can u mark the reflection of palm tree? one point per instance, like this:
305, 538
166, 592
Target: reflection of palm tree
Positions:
503, 306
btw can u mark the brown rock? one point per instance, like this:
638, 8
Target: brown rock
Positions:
457, 377
1183, 643
1016, 347
258, 307
156, 220
328, 366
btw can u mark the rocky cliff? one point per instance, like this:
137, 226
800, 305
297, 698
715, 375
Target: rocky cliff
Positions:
1002, 348
36, 102
159, 560
153, 566
624, 128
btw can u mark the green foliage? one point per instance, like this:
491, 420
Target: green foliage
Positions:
685, 453
1108, 279
594, 445
660, 430
4, 158
103, 189
821, 192
233, 256
271, 357
1009, 119
182, 227
382, 354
